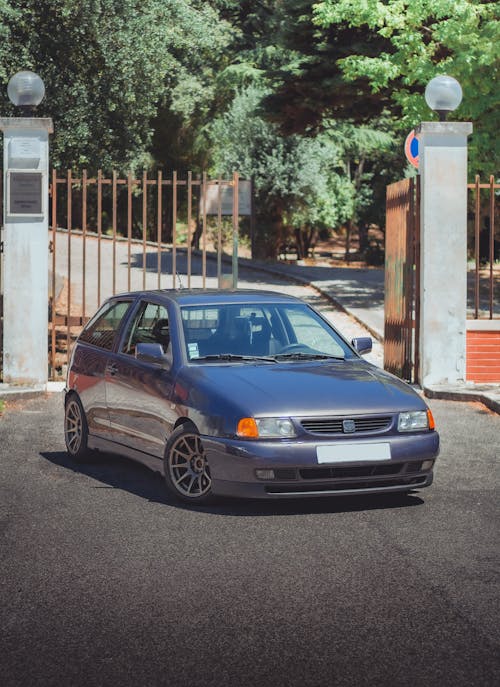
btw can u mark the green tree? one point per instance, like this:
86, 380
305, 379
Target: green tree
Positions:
295, 63
202, 44
107, 66
364, 152
294, 177
289, 65
425, 38
307, 85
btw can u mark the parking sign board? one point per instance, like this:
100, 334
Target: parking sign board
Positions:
411, 149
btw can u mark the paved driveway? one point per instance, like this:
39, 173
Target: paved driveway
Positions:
106, 581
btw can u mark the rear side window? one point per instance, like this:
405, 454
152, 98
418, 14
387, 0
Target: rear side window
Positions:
102, 329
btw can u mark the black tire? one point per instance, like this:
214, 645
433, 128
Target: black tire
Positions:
187, 474
76, 431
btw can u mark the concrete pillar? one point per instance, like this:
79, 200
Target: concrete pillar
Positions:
25, 267
443, 212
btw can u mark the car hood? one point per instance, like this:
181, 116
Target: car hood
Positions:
300, 388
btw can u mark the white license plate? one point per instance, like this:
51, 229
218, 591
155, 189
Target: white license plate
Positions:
349, 453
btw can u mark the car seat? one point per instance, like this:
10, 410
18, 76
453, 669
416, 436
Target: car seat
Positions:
161, 333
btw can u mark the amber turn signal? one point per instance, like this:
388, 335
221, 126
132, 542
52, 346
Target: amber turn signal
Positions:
430, 417
247, 427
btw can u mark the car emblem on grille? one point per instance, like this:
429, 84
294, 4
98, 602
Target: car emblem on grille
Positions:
348, 426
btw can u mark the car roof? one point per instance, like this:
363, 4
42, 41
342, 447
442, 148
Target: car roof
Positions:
213, 296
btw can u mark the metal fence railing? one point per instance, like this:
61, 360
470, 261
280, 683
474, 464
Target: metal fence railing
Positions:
484, 249
110, 234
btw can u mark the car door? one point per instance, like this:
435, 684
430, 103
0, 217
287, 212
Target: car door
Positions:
90, 358
139, 393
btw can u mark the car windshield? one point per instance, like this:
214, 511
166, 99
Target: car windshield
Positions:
264, 331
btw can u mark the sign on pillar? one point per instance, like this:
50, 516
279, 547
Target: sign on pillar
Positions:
25, 270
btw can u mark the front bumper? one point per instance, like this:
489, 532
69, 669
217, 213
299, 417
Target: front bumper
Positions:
299, 475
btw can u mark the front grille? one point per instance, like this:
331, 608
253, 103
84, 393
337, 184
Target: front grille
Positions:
345, 486
346, 472
361, 471
285, 473
333, 425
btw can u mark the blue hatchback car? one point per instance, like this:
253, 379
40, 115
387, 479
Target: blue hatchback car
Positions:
246, 394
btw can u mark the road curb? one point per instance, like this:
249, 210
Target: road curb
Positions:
491, 399
11, 392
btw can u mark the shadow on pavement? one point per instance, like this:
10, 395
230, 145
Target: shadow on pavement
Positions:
150, 264
116, 472
358, 287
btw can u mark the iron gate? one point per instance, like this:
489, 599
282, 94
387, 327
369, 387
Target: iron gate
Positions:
402, 279
110, 235
402, 263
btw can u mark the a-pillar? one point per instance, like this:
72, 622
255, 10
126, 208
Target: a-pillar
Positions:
25, 265
443, 213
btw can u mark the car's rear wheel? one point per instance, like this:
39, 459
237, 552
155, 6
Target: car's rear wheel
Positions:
187, 473
76, 432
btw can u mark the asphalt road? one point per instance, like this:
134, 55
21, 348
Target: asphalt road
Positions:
106, 581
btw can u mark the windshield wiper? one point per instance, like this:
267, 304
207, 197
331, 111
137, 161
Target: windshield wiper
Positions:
234, 356
308, 356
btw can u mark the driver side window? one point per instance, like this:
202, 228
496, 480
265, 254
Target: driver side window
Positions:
150, 325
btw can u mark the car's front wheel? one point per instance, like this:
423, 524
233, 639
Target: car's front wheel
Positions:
187, 473
76, 432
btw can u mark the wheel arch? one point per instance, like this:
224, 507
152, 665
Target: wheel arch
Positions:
185, 422
70, 394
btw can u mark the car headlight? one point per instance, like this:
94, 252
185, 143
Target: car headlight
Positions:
415, 421
266, 428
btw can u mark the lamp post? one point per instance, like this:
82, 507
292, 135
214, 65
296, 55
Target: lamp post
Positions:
26, 90
25, 219
443, 94
443, 238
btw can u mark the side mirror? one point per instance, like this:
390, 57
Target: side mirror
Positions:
362, 344
152, 353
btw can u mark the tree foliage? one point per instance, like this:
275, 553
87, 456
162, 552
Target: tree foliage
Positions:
308, 85
425, 38
302, 184
107, 66
292, 175
312, 100
325, 178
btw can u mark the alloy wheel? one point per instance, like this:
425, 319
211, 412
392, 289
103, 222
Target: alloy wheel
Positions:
188, 467
73, 427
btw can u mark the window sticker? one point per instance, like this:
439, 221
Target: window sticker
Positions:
193, 351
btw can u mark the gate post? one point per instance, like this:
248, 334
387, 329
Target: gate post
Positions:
443, 236
25, 330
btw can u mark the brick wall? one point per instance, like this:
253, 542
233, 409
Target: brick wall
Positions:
483, 351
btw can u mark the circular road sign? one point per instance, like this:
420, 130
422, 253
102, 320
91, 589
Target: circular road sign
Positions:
411, 149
